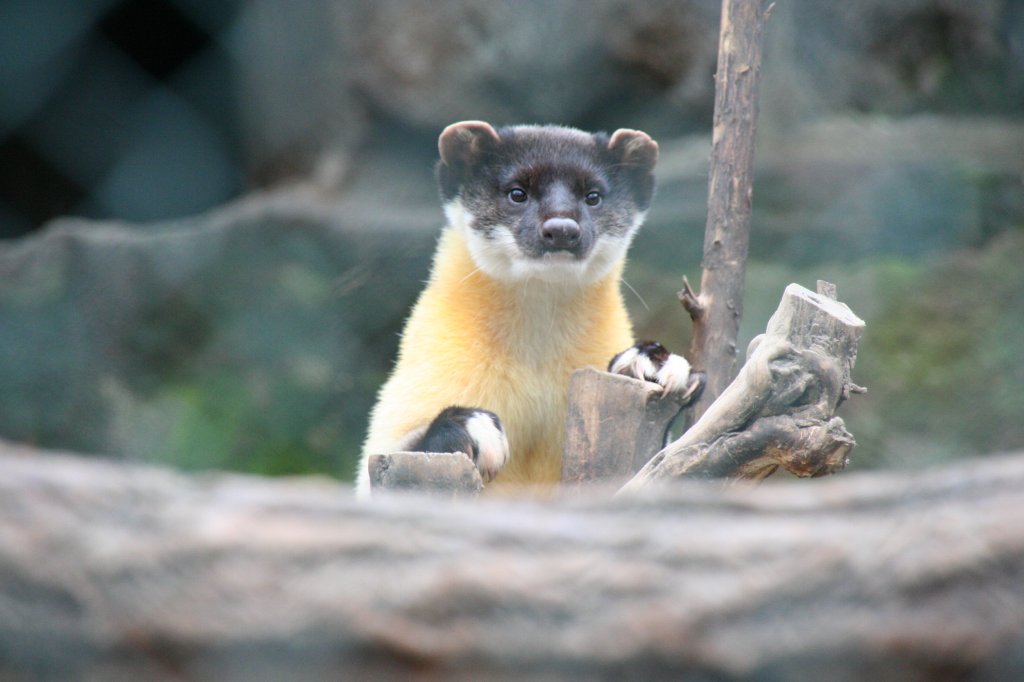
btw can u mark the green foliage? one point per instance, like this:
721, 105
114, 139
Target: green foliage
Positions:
260, 422
944, 357
940, 355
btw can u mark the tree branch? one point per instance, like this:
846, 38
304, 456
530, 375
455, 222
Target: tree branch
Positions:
716, 312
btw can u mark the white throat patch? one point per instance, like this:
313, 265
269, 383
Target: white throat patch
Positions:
499, 257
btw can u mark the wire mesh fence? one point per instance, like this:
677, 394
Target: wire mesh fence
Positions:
116, 108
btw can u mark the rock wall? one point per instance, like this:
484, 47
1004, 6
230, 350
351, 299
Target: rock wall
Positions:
365, 68
253, 337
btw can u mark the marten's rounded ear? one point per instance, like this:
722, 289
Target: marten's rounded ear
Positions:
634, 148
635, 155
462, 143
461, 146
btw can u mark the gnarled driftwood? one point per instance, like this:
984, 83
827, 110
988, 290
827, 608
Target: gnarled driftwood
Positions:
780, 408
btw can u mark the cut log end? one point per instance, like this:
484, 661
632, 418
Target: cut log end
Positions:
822, 301
442, 473
828, 289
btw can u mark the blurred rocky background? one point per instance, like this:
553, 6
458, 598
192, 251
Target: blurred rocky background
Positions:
214, 215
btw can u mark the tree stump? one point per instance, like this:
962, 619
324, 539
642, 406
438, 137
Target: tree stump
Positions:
613, 426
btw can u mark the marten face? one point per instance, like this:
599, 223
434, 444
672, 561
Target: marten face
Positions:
545, 202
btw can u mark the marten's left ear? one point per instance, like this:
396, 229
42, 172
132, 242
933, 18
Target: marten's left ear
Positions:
634, 148
635, 154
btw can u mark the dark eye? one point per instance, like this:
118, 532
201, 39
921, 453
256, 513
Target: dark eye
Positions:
517, 195
593, 198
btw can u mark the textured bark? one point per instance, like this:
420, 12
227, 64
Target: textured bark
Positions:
780, 409
716, 312
115, 572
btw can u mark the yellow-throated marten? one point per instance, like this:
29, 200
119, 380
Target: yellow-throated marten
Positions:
524, 289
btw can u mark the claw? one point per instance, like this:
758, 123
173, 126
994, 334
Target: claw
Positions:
694, 387
674, 374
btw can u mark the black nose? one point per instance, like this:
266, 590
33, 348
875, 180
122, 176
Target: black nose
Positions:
560, 233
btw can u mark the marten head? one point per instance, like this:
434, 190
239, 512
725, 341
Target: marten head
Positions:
545, 202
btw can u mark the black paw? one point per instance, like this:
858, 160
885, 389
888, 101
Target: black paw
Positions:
651, 361
472, 430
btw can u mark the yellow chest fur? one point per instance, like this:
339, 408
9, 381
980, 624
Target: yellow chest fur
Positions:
509, 347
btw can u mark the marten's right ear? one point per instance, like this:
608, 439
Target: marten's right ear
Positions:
635, 148
462, 143
461, 146
635, 154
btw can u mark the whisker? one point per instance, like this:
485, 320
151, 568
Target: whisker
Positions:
637, 294
471, 273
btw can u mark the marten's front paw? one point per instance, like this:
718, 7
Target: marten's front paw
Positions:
472, 430
651, 361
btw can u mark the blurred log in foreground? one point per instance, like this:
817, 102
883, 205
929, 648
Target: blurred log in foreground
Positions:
113, 572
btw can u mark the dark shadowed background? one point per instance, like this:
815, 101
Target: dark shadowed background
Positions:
214, 215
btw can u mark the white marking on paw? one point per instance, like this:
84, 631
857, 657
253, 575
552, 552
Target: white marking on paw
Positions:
491, 444
674, 375
622, 361
632, 363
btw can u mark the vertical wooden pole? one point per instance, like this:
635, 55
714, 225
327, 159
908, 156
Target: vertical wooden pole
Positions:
717, 310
